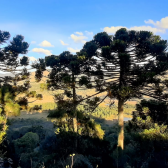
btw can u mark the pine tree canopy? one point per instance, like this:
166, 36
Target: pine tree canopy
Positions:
131, 60
10, 63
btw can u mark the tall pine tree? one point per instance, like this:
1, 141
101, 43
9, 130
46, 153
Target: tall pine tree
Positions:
131, 62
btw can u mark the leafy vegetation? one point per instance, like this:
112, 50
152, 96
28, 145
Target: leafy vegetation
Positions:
82, 132
8, 85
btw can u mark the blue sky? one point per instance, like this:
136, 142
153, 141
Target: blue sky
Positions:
54, 26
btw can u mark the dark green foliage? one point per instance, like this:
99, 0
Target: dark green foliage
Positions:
89, 48
158, 111
85, 125
145, 140
37, 107
79, 161
66, 75
27, 143
23, 103
102, 39
120, 58
126, 50
4, 36
149, 114
11, 88
51, 60
9, 61
24, 61
96, 150
31, 94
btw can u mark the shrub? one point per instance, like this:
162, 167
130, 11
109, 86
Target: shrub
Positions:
157, 110
79, 161
86, 126
3, 128
157, 133
27, 143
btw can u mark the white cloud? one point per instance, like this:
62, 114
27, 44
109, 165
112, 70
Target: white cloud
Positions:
73, 50
163, 23
148, 28
32, 59
33, 42
112, 29
78, 39
41, 51
89, 33
63, 43
79, 33
149, 21
137, 28
159, 26
45, 44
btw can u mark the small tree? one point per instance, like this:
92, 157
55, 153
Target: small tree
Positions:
131, 61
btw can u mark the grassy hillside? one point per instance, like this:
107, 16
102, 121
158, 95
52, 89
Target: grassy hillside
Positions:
48, 101
103, 110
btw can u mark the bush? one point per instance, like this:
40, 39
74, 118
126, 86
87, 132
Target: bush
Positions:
157, 110
26, 144
86, 126
3, 128
79, 161
28, 160
146, 136
96, 150
158, 133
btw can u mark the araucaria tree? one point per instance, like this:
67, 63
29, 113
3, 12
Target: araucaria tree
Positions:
10, 103
132, 62
66, 74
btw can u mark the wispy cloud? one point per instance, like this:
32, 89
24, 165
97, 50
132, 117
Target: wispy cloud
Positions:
163, 23
89, 33
41, 51
45, 43
112, 29
63, 43
148, 28
32, 42
78, 39
159, 26
32, 59
79, 33
73, 50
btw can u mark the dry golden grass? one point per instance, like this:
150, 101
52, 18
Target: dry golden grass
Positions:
48, 95
48, 98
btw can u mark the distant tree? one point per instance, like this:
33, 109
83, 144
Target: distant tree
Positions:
15, 81
131, 62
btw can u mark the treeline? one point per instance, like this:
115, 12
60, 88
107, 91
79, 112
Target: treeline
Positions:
76, 140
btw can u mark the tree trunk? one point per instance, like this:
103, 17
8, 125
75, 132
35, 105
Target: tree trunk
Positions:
121, 124
75, 124
74, 108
